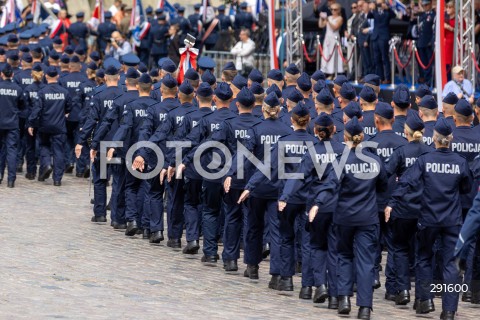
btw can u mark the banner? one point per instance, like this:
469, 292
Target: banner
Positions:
138, 24
440, 72
188, 59
12, 13
167, 8
271, 35
97, 15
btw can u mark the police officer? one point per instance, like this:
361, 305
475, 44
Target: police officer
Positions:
230, 132
194, 20
229, 72
448, 110
71, 82
292, 100
324, 102
403, 220
50, 108
428, 111
448, 176
262, 213
160, 36
346, 94
401, 107
104, 32
368, 101
259, 94
425, 30
238, 83
78, 32
292, 73
421, 91
243, 19
355, 219
11, 102
100, 103
304, 85
183, 23
387, 141
226, 29
29, 94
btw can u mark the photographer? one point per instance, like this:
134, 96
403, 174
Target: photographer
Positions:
117, 46
243, 51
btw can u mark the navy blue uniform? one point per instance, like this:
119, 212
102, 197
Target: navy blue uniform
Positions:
78, 34
51, 105
23, 78
11, 102
425, 43
104, 32
380, 37
440, 177
428, 133
159, 42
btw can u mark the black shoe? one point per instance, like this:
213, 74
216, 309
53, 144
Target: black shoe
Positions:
139, 231
390, 296
467, 296
332, 303
132, 228
425, 306
475, 297
119, 226
321, 294
305, 293
376, 284
69, 168
191, 247
231, 265
174, 243
57, 183
11, 184
273, 284
402, 298
79, 175
92, 201
298, 267
146, 234
86, 174
19, 168
447, 315
251, 272
364, 313
266, 251
30, 176
99, 219
285, 284
209, 260
156, 237
344, 305
45, 174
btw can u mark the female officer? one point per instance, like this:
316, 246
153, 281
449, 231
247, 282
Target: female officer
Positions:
440, 177
289, 146
403, 220
355, 218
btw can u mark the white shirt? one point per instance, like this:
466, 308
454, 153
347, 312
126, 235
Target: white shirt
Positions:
113, 9
122, 50
243, 52
52, 6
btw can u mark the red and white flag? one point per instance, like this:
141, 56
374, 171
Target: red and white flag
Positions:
97, 15
440, 63
188, 59
271, 35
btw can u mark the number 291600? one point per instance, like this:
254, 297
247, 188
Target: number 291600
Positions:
443, 287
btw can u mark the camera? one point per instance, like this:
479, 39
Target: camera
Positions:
189, 40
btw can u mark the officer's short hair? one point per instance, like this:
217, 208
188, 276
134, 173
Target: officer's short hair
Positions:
292, 77
131, 82
428, 112
205, 100
109, 77
36, 55
187, 97
144, 87
194, 83
259, 98
228, 75
323, 107
462, 118
168, 90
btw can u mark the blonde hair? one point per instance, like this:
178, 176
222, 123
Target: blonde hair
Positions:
356, 139
441, 139
37, 76
416, 135
272, 112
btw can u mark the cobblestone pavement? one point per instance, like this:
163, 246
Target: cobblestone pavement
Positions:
55, 263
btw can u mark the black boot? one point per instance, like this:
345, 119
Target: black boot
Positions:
402, 298
231, 266
447, 315
251, 272
209, 260
344, 306
99, 219
285, 284
390, 296
132, 228
425, 306
146, 234
174, 243
467, 296
156, 237
119, 226
364, 313
273, 284
305, 293
266, 251
192, 247
332, 303
321, 294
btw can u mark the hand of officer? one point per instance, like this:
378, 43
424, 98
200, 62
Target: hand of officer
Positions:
180, 169
365, 30
243, 196
162, 175
227, 183
170, 173
312, 213
281, 205
78, 150
30, 131
388, 210
138, 163
110, 154
93, 154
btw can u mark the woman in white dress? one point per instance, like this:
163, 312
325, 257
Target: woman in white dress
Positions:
333, 24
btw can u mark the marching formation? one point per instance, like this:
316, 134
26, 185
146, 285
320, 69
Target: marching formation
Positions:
320, 177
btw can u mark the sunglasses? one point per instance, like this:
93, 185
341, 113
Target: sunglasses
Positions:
355, 7
335, 9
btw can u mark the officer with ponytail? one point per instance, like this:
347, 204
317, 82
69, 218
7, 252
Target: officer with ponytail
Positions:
355, 218
403, 220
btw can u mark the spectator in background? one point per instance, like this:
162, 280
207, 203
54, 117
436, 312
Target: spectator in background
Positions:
243, 52
115, 7
117, 17
449, 35
118, 47
363, 39
333, 25
425, 41
462, 87
174, 43
52, 5
350, 33
64, 17
124, 26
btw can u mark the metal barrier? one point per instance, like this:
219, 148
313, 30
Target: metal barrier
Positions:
262, 61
